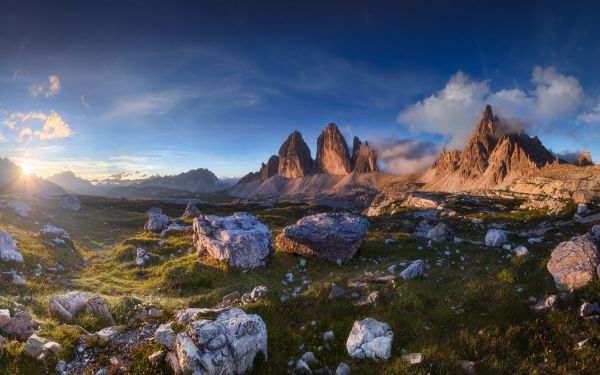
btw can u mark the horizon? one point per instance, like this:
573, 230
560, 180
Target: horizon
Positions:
221, 86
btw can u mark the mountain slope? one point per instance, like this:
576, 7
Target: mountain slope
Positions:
73, 184
13, 181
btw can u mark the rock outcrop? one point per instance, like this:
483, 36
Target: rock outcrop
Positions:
19, 326
371, 339
584, 160
240, 239
8, 249
157, 222
364, 159
270, 169
227, 345
329, 236
69, 306
441, 233
294, 157
574, 263
333, 156
495, 237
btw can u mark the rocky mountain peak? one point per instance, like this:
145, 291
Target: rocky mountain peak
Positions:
333, 156
585, 159
270, 169
294, 157
364, 160
448, 161
474, 159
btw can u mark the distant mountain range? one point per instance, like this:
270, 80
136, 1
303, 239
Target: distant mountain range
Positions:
13, 181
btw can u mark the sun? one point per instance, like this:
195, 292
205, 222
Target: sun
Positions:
26, 169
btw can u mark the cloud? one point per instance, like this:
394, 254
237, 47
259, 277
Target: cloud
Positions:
48, 90
83, 102
592, 117
452, 111
54, 127
404, 156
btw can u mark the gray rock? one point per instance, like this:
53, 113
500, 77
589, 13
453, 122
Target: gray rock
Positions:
328, 336
302, 368
71, 202
415, 269
370, 339
342, 369
574, 263
141, 257
521, 251
227, 345
165, 335
589, 309
330, 236
157, 222
8, 249
259, 292
109, 332
191, 210
20, 326
495, 237
441, 233
40, 348
231, 299
70, 305
310, 359
240, 239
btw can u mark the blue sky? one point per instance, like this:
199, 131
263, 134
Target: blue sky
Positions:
101, 87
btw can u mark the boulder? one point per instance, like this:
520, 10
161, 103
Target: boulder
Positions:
574, 263
50, 231
521, 251
330, 236
226, 345
156, 222
40, 348
8, 249
239, 239
371, 339
70, 202
415, 269
441, 233
165, 335
20, 208
20, 326
342, 369
191, 210
70, 305
141, 257
495, 237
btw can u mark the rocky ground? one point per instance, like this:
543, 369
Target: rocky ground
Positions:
441, 284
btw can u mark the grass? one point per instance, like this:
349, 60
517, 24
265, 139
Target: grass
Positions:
474, 309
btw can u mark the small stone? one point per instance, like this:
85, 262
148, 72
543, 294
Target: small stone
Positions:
302, 368
342, 369
328, 336
413, 358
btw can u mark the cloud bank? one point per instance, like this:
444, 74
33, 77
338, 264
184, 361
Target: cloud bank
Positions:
405, 156
53, 126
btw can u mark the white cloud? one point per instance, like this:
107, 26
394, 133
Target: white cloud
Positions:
452, 111
53, 127
84, 103
404, 156
48, 90
592, 117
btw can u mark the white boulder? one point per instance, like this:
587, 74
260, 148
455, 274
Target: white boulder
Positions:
226, 345
495, 237
415, 269
157, 222
371, 339
8, 249
239, 239
574, 263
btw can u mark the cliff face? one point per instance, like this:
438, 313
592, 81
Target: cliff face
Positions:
364, 160
490, 160
270, 169
332, 152
294, 157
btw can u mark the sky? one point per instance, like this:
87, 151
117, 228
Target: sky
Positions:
146, 87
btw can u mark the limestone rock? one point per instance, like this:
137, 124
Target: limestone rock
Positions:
415, 269
574, 263
165, 335
191, 210
50, 231
70, 202
332, 152
141, 257
40, 348
294, 157
240, 239
371, 339
441, 233
20, 326
495, 237
270, 169
330, 236
8, 249
364, 159
227, 345
156, 222
342, 369
70, 305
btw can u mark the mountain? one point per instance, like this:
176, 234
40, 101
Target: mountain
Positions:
199, 180
270, 169
585, 159
73, 184
13, 181
294, 157
332, 152
364, 159
491, 159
